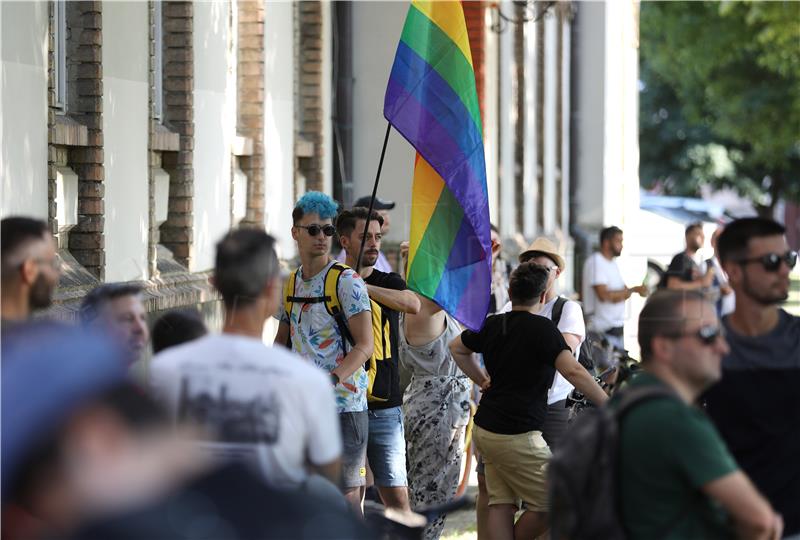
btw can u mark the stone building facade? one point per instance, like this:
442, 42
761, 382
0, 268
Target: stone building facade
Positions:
143, 130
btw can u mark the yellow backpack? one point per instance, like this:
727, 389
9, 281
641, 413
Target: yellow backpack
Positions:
377, 367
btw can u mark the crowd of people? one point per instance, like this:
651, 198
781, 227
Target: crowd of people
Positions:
369, 387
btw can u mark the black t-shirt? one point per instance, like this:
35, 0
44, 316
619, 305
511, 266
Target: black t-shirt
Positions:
229, 504
390, 280
519, 350
682, 267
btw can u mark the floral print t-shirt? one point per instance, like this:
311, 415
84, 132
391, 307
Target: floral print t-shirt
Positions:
315, 335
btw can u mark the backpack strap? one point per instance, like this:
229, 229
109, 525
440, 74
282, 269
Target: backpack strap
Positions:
558, 309
288, 293
334, 306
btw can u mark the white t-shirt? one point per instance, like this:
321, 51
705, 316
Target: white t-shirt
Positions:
264, 405
571, 322
600, 271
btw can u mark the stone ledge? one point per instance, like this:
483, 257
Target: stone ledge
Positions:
165, 140
303, 148
177, 288
242, 146
69, 132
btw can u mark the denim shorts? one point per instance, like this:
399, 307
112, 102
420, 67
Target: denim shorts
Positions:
354, 448
386, 450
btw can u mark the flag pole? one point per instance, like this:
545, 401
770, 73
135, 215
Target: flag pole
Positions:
372, 199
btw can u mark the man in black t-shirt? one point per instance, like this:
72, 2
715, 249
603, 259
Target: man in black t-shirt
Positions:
521, 351
684, 273
386, 444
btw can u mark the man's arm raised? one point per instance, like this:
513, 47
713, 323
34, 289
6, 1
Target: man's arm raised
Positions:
578, 377
403, 301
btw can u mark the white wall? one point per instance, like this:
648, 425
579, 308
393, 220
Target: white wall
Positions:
23, 108
507, 221
376, 32
214, 128
125, 106
490, 120
608, 140
551, 199
530, 195
590, 22
279, 122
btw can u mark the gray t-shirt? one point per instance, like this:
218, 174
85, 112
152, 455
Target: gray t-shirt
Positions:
757, 411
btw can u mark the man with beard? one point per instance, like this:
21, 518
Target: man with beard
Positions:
30, 268
604, 291
386, 443
117, 308
755, 405
686, 271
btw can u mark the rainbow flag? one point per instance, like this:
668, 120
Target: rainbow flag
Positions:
431, 99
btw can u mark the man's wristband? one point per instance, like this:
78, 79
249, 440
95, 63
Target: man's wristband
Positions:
335, 378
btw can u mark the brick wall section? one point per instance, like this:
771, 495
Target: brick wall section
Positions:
520, 149
309, 81
176, 233
250, 84
476, 28
153, 157
86, 240
51, 124
539, 81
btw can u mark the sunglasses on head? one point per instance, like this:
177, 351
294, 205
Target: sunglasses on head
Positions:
772, 261
314, 229
708, 335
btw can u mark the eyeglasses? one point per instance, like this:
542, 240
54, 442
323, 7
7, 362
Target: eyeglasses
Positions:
708, 335
314, 229
772, 261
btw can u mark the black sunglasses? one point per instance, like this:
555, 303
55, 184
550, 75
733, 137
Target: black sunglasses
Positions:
772, 261
708, 335
314, 229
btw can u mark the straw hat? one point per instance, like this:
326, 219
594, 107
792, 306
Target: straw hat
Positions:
546, 247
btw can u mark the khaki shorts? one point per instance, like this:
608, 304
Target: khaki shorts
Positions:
516, 467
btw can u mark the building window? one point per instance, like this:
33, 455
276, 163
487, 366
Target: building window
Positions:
158, 61
60, 53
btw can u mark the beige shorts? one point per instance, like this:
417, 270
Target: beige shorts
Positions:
516, 467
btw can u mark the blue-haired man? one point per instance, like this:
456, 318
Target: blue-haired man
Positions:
308, 327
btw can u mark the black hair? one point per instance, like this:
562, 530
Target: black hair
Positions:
664, 315
245, 263
15, 232
176, 327
346, 221
99, 296
527, 283
692, 226
608, 233
494, 228
733, 242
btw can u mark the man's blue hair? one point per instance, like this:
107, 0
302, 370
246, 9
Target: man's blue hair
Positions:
315, 202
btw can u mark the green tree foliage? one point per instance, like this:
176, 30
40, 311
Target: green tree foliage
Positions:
720, 100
